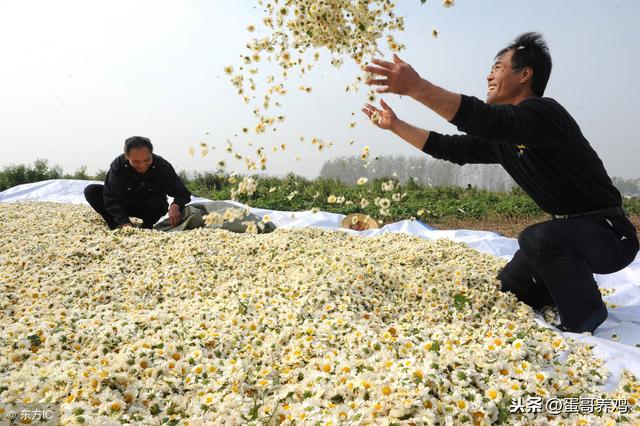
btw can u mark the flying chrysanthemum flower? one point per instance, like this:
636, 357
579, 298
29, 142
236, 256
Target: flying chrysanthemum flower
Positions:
344, 27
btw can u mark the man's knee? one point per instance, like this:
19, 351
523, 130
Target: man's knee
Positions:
518, 277
531, 238
92, 189
93, 193
515, 282
539, 243
528, 291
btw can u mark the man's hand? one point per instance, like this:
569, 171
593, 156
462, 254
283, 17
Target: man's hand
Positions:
398, 77
126, 225
174, 214
384, 118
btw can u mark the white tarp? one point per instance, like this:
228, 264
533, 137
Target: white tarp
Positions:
623, 321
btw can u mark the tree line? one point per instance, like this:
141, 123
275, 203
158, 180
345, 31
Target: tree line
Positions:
421, 171
433, 172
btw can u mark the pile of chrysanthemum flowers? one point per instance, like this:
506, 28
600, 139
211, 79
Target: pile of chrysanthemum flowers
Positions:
294, 327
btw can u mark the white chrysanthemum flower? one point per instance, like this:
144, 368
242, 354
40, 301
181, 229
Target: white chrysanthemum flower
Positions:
388, 186
376, 117
213, 218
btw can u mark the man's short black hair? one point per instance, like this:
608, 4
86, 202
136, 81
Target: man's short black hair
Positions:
530, 50
137, 142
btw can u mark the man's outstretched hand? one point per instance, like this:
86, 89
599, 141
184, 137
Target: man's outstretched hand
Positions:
384, 118
400, 78
174, 215
395, 77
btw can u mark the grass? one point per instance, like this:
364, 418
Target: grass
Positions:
444, 207
440, 205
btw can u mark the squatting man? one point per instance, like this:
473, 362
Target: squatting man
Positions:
137, 184
542, 148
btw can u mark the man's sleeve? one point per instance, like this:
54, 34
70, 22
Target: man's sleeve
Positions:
460, 149
175, 187
536, 122
114, 197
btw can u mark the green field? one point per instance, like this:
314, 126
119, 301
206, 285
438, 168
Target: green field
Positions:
295, 193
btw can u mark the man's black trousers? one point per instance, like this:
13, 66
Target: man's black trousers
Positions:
150, 210
556, 262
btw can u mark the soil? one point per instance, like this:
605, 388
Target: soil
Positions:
509, 227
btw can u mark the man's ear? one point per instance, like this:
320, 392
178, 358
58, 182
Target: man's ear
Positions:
526, 74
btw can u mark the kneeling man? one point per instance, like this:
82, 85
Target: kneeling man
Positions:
543, 149
137, 184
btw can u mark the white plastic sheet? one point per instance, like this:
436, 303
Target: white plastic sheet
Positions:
624, 321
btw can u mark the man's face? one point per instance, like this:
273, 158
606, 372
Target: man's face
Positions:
503, 82
140, 159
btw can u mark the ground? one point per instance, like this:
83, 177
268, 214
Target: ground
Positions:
509, 227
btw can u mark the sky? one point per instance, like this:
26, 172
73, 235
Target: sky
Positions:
78, 77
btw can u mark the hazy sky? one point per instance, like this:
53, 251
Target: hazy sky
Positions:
78, 77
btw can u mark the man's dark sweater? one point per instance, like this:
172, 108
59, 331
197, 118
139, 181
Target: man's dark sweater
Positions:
539, 144
124, 187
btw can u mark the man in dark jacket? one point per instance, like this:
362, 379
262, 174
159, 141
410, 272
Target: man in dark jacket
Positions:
137, 184
540, 145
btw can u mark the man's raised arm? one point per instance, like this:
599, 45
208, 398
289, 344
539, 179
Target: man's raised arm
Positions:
534, 123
